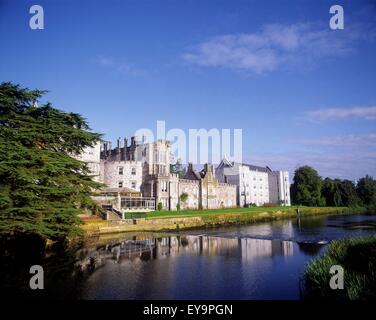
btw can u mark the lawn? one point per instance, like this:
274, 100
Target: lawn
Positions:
190, 213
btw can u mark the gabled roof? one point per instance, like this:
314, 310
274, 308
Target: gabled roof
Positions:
257, 168
192, 175
231, 164
225, 163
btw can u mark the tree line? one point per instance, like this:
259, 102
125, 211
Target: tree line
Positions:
309, 189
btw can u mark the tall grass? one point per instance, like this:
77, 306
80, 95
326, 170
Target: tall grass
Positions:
357, 256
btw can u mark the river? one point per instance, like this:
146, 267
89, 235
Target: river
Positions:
260, 261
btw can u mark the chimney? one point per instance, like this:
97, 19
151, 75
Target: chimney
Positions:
110, 148
143, 139
125, 142
105, 149
133, 141
190, 166
118, 150
208, 167
124, 150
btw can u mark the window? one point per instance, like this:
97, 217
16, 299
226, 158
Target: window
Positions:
134, 171
133, 185
164, 186
120, 184
121, 171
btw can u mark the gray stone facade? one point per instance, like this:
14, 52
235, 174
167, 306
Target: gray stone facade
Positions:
201, 190
145, 167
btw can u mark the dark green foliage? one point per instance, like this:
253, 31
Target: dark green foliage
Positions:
160, 206
366, 189
309, 189
357, 256
306, 187
340, 193
350, 197
184, 197
42, 188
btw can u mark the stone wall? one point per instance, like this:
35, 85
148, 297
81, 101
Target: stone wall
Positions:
91, 155
226, 195
131, 176
192, 189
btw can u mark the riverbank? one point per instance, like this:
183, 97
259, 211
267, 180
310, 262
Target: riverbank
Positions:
175, 221
357, 257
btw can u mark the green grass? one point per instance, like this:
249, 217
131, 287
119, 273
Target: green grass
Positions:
191, 213
290, 209
357, 256
242, 216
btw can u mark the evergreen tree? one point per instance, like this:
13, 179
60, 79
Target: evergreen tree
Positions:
42, 187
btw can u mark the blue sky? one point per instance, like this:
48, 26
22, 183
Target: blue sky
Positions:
301, 92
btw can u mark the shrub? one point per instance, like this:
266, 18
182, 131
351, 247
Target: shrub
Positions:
250, 205
184, 197
160, 206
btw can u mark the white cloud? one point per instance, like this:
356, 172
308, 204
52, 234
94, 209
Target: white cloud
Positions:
352, 140
368, 113
273, 47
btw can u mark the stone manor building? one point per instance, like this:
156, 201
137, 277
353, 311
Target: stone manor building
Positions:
142, 171
144, 168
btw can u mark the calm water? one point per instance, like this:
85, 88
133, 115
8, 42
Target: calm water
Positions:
262, 261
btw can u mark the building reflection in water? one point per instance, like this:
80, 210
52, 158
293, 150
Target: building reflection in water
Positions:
173, 246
